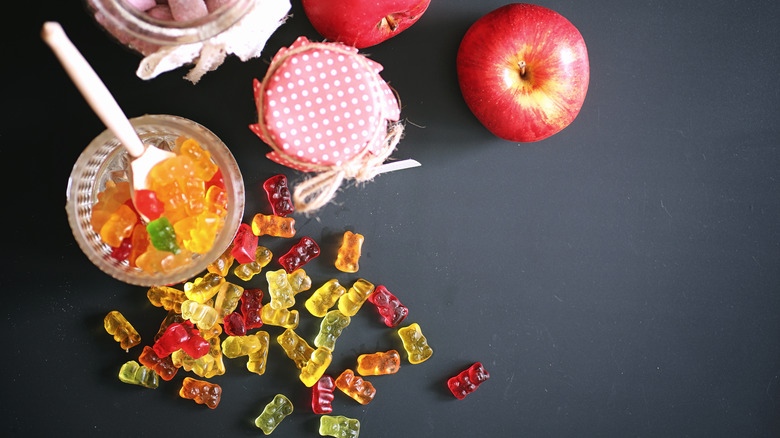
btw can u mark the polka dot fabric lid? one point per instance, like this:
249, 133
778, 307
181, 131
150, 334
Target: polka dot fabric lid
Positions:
322, 105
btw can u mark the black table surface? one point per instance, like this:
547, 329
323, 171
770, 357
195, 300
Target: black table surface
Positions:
620, 278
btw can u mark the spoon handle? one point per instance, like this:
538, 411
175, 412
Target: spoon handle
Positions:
92, 88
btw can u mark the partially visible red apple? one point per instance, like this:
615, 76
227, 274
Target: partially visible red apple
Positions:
523, 70
363, 23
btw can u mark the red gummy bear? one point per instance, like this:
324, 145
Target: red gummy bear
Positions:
300, 254
244, 244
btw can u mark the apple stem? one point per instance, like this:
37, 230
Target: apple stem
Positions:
391, 22
521, 65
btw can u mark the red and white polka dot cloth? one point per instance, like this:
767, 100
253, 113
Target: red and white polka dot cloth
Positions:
323, 105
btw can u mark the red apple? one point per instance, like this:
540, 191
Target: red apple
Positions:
363, 23
523, 71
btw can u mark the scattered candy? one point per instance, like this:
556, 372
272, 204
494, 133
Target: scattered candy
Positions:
272, 225
117, 325
246, 271
251, 305
273, 413
322, 395
244, 244
349, 252
163, 366
362, 391
133, 373
202, 392
378, 364
389, 307
189, 336
300, 254
296, 347
325, 297
279, 195
234, 324
331, 326
415, 343
350, 303
318, 362
339, 426
467, 381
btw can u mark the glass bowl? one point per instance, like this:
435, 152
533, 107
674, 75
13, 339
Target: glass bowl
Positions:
105, 159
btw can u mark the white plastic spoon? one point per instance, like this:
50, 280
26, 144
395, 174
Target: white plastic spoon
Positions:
144, 157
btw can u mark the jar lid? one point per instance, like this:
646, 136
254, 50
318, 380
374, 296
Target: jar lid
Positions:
323, 105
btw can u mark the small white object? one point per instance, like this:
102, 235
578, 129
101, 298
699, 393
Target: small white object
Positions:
398, 165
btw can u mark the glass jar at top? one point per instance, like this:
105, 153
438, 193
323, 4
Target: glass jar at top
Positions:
205, 38
145, 34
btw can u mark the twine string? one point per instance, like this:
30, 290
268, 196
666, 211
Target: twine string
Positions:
315, 192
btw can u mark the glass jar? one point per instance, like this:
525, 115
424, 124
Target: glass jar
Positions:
240, 28
146, 34
106, 159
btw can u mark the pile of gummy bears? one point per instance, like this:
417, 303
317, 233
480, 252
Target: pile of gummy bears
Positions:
191, 335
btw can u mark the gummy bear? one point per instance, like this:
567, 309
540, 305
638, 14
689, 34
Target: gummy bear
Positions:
203, 166
244, 244
301, 253
169, 298
331, 326
362, 391
134, 373
201, 391
246, 271
322, 395
257, 359
117, 325
280, 290
325, 297
123, 251
299, 281
118, 226
163, 366
201, 314
349, 252
162, 235
272, 225
339, 426
389, 307
468, 380
279, 195
280, 317
251, 306
415, 343
350, 303
273, 413
204, 288
237, 346
147, 204
227, 299
296, 347
221, 266
315, 367
234, 324
378, 364
208, 365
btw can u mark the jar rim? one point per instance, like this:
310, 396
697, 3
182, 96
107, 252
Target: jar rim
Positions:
138, 24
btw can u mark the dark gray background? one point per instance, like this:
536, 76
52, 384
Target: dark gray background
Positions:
621, 278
